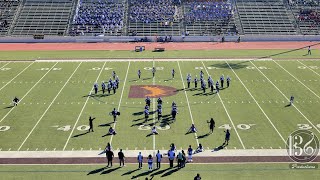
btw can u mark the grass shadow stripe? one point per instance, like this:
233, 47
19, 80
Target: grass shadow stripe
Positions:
224, 107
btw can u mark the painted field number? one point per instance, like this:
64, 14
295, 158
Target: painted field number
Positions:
150, 68
5, 69
68, 127
305, 67
142, 127
99, 68
47, 69
4, 128
239, 126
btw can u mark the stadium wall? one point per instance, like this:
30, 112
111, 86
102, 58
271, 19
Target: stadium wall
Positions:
91, 39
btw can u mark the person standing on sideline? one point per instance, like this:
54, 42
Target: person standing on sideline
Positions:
91, 124
212, 124
121, 157
159, 157
140, 159
179, 157
183, 158
139, 73
228, 81
110, 156
171, 156
227, 137
197, 177
150, 162
190, 150
309, 50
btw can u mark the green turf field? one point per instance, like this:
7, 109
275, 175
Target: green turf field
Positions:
55, 106
217, 171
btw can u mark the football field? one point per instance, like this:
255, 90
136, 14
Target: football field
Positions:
57, 98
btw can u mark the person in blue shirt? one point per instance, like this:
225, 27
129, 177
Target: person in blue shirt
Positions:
222, 81
217, 86
146, 115
103, 86
172, 73
139, 73
190, 150
171, 156
291, 100
114, 113
195, 82
114, 86
159, 157
188, 81
140, 160
95, 86
148, 101
109, 86
192, 129
227, 138
228, 81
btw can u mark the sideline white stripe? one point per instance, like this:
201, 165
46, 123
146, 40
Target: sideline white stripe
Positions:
297, 79
29, 91
285, 96
16, 76
148, 60
49, 106
235, 129
124, 83
257, 103
309, 68
185, 93
84, 105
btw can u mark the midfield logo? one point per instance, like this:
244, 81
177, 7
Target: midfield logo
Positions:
153, 91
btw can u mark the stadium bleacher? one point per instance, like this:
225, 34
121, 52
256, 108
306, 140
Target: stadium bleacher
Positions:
8, 9
159, 18
99, 17
307, 15
48, 17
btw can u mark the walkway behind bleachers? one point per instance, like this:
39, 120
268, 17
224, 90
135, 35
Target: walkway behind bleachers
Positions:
48, 17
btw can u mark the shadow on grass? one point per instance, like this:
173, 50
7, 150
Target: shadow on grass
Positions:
203, 136
110, 170
175, 169
159, 172
130, 172
146, 173
78, 135
9, 107
106, 135
107, 124
96, 171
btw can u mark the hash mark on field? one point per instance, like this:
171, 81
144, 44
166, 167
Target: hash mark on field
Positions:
54, 149
9, 149
279, 147
99, 149
36, 149
45, 149
261, 147
252, 147
72, 149
27, 149
81, 149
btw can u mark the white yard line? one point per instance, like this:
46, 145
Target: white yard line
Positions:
257, 104
49, 106
16, 76
153, 103
285, 96
5, 65
234, 127
124, 83
84, 105
309, 68
185, 93
29, 91
297, 79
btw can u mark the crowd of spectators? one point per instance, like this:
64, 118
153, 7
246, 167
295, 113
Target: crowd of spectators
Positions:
309, 15
148, 11
303, 2
6, 7
106, 15
208, 11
